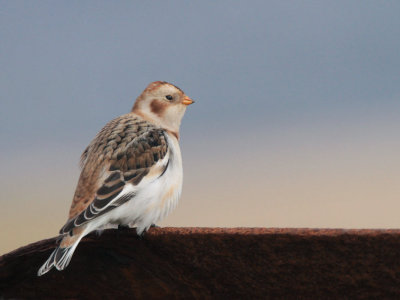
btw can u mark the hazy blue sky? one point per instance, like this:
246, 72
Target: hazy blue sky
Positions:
295, 97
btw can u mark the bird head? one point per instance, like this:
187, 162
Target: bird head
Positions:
162, 103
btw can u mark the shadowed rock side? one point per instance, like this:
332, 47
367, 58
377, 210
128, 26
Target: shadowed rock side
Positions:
213, 263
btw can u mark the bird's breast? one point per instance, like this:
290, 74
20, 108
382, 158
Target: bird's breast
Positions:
173, 178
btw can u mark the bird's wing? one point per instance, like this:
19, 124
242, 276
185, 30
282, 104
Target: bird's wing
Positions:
125, 151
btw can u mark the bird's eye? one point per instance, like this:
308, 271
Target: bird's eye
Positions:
169, 97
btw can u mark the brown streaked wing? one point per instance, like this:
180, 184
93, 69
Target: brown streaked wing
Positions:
123, 152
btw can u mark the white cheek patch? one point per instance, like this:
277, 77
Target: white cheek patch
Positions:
173, 115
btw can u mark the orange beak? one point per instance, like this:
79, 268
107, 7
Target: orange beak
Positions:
187, 101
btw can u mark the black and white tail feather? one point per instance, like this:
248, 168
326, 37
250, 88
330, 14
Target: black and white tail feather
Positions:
59, 259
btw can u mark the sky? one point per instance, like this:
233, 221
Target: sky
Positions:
296, 121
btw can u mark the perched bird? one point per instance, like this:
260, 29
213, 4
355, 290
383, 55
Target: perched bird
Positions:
131, 171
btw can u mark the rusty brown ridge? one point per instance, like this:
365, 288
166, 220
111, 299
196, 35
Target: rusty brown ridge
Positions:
262, 230
213, 263
332, 232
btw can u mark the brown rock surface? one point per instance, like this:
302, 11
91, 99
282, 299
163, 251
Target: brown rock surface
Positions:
237, 263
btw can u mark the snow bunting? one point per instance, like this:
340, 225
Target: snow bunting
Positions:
131, 171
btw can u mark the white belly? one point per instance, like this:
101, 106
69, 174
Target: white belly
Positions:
155, 197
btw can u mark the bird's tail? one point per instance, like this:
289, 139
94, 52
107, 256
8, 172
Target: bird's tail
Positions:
62, 255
